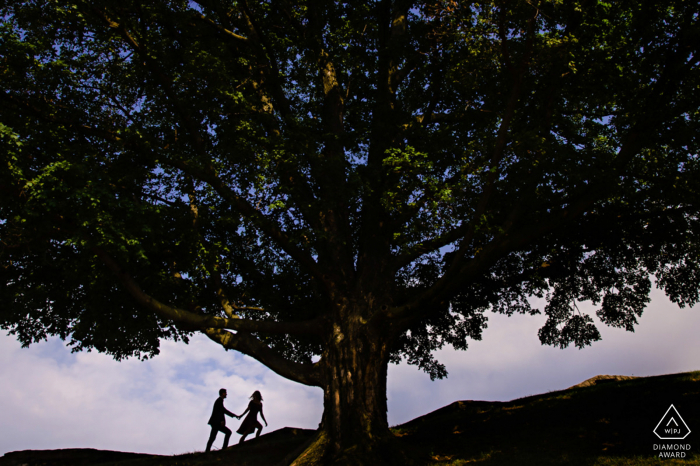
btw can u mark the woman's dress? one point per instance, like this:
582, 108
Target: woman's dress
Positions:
250, 423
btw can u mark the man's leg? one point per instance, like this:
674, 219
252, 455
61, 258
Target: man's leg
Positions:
227, 433
212, 436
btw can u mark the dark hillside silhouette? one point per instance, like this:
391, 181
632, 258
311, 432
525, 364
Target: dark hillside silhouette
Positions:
69, 457
609, 423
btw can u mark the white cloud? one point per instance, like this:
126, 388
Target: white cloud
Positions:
54, 399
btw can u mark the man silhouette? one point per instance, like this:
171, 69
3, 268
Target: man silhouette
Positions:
217, 421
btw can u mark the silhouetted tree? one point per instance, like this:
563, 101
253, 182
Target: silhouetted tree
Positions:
328, 187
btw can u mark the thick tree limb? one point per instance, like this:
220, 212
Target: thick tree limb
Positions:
479, 264
430, 245
507, 242
266, 55
308, 374
229, 308
199, 321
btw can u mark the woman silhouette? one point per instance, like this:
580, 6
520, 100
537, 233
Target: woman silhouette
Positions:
250, 423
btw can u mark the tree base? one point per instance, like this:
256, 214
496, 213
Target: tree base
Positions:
385, 451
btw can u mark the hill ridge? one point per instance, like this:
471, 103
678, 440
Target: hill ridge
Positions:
605, 420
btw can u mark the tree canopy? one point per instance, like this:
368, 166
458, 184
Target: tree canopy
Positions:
328, 187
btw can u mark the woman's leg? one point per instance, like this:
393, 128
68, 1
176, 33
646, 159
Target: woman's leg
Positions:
242, 438
258, 433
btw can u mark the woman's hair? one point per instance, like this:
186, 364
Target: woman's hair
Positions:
256, 396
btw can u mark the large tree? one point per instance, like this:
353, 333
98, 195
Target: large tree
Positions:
329, 187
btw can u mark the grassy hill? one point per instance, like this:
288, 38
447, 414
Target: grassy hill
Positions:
601, 422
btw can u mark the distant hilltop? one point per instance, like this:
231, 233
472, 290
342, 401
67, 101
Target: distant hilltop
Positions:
602, 379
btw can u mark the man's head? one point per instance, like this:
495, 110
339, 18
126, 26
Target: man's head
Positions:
222, 393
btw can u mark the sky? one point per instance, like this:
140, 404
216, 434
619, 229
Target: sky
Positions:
51, 398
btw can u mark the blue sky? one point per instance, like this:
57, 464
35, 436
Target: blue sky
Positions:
54, 399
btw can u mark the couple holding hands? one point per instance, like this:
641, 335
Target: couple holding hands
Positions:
217, 421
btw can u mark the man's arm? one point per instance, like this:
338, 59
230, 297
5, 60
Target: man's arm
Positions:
229, 413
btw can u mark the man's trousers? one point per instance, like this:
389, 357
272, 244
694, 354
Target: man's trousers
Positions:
215, 430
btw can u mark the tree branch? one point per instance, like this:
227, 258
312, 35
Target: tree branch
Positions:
208, 176
398, 30
242, 206
505, 243
430, 245
230, 34
271, 72
479, 264
308, 374
199, 321
499, 148
166, 83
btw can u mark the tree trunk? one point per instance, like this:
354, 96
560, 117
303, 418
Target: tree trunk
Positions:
354, 429
355, 409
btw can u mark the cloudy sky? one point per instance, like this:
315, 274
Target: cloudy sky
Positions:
50, 398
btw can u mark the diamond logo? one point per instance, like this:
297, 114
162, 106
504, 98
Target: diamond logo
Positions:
672, 426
